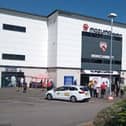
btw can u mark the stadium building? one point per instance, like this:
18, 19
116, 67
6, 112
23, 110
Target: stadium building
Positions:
66, 47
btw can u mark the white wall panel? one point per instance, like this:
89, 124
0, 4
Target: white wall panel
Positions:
52, 41
32, 43
124, 52
69, 42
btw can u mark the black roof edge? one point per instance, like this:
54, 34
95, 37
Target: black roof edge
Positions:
22, 14
53, 12
88, 18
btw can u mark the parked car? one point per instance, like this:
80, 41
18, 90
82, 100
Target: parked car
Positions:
72, 93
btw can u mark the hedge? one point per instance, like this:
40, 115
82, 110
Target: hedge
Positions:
115, 115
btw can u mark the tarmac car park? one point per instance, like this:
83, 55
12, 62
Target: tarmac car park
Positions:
71, 93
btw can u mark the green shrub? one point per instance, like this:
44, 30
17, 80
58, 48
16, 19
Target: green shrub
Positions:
112, 116
125, 88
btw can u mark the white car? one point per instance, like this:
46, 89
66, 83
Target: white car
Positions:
72, 93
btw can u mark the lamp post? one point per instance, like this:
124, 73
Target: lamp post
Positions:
111, 16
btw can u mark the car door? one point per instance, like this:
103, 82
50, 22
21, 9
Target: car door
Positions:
66, 93
59, 92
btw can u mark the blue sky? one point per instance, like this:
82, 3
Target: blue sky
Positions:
95, 8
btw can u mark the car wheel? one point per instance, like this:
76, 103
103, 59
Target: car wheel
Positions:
86, 100
73, 99
49, 96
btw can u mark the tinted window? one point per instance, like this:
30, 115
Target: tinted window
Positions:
13, 57
89, 34
103, 61
14, 28
66, 88
84, 88
73, 88
60, 89
96, 52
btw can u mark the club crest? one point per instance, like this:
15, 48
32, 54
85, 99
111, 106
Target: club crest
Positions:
103, 46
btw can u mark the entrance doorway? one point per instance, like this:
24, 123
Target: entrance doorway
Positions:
9, 78
85, 78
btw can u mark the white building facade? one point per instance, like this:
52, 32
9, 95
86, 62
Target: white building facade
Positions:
51, 46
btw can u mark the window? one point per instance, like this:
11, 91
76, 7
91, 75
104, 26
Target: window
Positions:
60, 89
89, 34
13, 57
84, 89
73, 89
14, 28
99, 61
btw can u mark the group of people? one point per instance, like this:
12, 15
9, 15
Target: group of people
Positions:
18, 82
21, 83
117, 89
50, 84
95, 90
101, 91
43, 83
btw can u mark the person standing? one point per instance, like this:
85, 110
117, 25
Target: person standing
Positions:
113, 89
49, 85
117, 88
91, 87
103, 89
75, 82
21, 81
18, 84
13, 81
95, 89
24, 86
121, 90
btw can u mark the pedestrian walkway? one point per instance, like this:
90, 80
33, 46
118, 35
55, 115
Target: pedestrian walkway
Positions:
12, 94
36, 95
